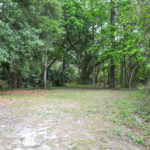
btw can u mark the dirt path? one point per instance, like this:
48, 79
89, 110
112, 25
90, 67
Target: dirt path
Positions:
59, 120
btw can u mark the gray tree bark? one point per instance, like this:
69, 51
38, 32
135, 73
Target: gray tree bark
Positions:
104, 75
112, 66
46, 62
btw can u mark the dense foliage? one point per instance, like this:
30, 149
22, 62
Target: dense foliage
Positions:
51, 42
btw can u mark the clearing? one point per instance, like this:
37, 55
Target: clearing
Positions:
69, 119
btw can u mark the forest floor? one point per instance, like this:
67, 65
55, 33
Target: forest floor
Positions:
71, 119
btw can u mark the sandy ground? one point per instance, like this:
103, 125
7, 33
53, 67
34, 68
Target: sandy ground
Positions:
45, 120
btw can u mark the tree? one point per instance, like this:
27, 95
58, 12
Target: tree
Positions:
17, 39
106, 40
50, 18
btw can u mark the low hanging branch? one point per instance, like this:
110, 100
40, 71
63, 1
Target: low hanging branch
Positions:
51, 63
130, 81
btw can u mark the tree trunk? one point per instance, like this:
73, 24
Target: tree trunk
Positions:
125, 72
97, 73
135, 76
45, 71
121, 72
104, 76
63, 70
112, 74
112, 66
15, 80
108, 77
46, 62
94, 76
85, 73
130, 68
94, 53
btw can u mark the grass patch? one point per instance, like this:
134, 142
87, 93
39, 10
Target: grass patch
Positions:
91, 110
125, 113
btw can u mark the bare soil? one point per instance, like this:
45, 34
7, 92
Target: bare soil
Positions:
60, 120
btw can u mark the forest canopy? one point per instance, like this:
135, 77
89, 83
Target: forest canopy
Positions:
52, 42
